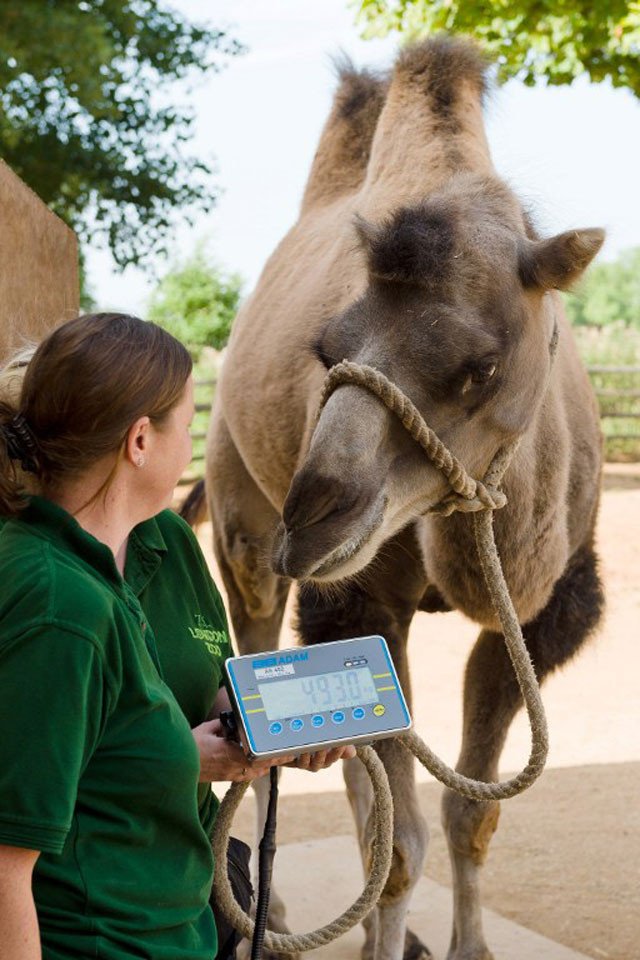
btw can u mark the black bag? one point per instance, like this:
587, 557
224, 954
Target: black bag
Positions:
238, 857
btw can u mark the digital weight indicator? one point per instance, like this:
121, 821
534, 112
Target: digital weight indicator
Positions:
306, 699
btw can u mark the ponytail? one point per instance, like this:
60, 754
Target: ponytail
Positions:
18, 448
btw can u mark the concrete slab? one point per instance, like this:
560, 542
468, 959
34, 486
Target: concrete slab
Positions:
318, 880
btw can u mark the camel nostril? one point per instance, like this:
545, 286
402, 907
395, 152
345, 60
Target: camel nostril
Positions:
304, 514
313, 499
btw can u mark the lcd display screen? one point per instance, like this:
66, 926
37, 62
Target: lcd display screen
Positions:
319, 693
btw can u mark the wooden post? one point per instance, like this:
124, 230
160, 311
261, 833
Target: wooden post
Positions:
39, 285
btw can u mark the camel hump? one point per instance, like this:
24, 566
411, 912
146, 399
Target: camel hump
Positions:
431, 126
441, 67
341, 159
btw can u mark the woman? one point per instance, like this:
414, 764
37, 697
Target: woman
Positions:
112, 638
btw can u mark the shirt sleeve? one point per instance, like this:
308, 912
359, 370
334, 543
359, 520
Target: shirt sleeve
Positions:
53, 704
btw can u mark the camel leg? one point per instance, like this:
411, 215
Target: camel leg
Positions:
410, 840
243, 522
491, 700
383, 601
360, 796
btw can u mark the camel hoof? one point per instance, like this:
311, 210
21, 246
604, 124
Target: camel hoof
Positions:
481, 953
414, 948
418, 953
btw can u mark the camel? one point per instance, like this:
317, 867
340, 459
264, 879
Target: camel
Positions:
412, 256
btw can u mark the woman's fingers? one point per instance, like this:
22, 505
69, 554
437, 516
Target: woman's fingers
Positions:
324, 758
248, 769
252, 769
311, 761
222, 759
281, 761
345, 752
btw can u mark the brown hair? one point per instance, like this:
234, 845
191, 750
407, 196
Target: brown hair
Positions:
87, 383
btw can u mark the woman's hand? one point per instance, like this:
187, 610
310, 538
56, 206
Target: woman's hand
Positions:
323, 758
222, 759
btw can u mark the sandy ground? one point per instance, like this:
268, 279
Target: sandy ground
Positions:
565, 861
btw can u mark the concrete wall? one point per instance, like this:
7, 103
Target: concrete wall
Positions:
38, 266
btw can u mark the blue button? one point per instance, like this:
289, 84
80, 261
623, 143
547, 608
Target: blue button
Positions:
297, 723
338, 717
358, 713
317, 721
275, 728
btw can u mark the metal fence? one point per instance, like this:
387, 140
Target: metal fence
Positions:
617, 390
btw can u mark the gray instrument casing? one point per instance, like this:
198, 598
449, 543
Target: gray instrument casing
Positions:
384, 714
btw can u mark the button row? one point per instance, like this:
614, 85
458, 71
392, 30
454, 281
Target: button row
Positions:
318, 720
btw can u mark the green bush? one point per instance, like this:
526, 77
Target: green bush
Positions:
197, 301
609, 295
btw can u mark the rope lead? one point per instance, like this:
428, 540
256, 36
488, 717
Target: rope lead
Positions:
480, 498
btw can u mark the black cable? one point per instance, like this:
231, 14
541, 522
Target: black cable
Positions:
265, 866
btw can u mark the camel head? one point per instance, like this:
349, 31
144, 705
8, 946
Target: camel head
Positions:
458, 311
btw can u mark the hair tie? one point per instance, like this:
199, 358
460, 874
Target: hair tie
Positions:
21, 442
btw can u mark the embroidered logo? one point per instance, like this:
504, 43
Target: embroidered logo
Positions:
213, 640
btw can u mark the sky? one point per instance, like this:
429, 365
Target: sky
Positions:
571, 153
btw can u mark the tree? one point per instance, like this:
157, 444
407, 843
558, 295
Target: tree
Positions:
528, 38
609, 295
197, 302
85, 117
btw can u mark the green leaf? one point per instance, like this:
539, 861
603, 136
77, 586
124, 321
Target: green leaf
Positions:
533, 39
91, 118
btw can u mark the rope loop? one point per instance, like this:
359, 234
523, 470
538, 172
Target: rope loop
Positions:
382, 850
480, 498
469, 495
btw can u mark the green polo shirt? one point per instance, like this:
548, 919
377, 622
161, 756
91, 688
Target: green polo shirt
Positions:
168, 573
98, 766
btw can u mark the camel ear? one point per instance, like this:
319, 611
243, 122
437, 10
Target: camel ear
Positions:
560, 261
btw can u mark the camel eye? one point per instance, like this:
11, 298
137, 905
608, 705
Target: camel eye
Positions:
480, 374
484, 372
321, 354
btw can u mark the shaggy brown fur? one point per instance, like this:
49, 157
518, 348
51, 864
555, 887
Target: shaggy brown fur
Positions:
412, 256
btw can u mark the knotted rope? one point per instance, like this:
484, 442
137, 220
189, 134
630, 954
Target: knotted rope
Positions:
469, 495
480, 498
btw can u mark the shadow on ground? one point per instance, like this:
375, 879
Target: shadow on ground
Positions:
564, 862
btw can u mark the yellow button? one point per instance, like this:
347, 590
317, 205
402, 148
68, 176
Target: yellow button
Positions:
379, 709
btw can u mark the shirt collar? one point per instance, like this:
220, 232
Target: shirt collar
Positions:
144, 554
146, 543
149, 533
52, 522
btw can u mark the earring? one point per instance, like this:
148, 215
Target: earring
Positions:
140, 462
